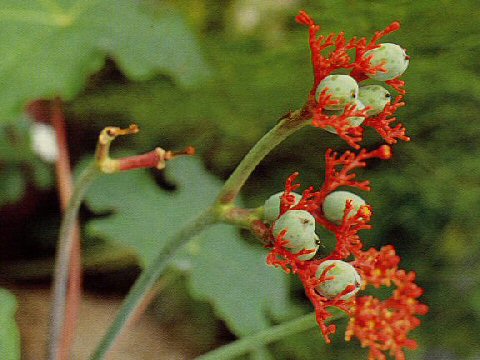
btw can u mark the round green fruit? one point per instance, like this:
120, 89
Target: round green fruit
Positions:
334, 205
300, 227
375, 96
342, 88
343, 275
394, 58
272, 206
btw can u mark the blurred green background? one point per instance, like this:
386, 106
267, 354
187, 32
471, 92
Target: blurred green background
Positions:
256, 68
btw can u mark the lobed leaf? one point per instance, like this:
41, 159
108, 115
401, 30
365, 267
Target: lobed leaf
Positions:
223, 269
50, 47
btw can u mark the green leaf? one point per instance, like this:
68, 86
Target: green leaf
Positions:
223, 269
9, 333
143, 215
12, 183
18, 161
50, 47
234, 276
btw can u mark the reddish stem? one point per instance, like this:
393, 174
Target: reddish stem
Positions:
148, 160
65, 189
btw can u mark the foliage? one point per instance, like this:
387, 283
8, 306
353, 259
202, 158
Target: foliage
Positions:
429, 211
9, 333
19, 167
49, 47
222, 268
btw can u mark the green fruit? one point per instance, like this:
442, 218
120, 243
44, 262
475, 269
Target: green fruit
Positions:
343, 88
272, 206
343, 275
375, 96
395, 58
334, 205
300, 226
353, 120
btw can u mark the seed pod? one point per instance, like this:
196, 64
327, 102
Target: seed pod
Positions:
353, 120
343, 88
334, 205
272, 206
375, 96
394, 58
300, 226
343, 275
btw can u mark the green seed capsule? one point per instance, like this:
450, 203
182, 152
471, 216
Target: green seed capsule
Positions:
300, 226
343, 275
375, 96
272, 206
395, 58
334, 205
343, 88
311, 245
353, 120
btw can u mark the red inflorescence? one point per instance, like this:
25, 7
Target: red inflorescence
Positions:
381, 325
359, 66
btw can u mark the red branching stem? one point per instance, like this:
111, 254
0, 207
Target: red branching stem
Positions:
348, 162
381, 123
398, 85
383, 326
306, 271
341, 123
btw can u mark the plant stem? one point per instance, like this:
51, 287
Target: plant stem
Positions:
149, 277
65, 189
285, 127
274, 333
63, 259
290, 123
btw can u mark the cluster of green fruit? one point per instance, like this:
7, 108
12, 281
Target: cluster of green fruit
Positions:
344, 90
300, 234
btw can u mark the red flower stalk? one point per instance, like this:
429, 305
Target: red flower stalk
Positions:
381, 123
360, 67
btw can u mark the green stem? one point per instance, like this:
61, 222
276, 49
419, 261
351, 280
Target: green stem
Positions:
290, 123
239, 217
149, 277
274, 333
62, 262
286, 126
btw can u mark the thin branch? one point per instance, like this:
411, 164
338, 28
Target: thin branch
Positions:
68, 230
63, 259
265, 337
148, 279
290, 123
65, 189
